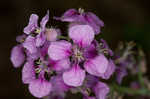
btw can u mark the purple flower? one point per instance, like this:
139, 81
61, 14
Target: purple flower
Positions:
60, 50
17, 56
101, 90
94, 89
38, 71
81, 17
38, 87
36, 34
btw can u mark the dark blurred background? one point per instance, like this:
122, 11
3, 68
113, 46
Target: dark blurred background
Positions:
124, 20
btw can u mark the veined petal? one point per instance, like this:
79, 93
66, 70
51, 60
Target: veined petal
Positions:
59, 50
95, 19
21, 38
82, 35
17, 56
110, 70
28, 73
40, 39
94, 22
101, 90
58, 84
97, 65
32, 25
70, 15
40, 88
44, 20
74, 77
61, 65
29, 44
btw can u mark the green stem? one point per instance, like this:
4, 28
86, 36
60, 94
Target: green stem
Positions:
131, 91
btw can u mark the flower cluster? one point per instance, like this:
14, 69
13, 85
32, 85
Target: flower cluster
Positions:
54, 66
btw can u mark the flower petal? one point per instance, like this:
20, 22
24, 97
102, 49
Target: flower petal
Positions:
61, 65
32, 25
28, 73
44, 20
121, 73
29, 44
95, 19
17, 56
74, 77
110, 70
101, 90
69, 16
40, 39
97, 65
90, 52
59, 50
94, 22
91, 81
40, 88
82, 35
58, 84
21, 38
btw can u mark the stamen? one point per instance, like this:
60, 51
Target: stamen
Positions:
81, 11
37, 30
38, 70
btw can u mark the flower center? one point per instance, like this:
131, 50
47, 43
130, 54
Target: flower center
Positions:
78, 54
40, 66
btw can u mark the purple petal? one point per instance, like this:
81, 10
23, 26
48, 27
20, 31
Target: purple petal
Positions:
44, 49
95, 19
82, 35
61, 65
29, 44
21, 38
32, 25
97, 65
74, 77
121, 73
110, 70
92, 20
58, 84
91, 81
32, 56
40, 88
69, 16
17, 56
90, 52
44, 20
59, 50
40, 39
101, 90
28, 73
